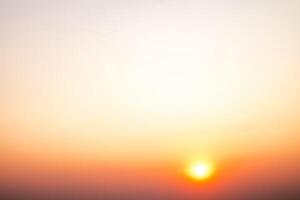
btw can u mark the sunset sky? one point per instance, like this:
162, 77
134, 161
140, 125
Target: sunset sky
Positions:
121, 97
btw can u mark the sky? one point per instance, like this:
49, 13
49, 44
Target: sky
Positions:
123, 95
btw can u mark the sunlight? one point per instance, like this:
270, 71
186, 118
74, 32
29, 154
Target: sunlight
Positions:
200, 170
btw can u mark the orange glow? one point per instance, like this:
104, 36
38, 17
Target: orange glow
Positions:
200, 171
127, 99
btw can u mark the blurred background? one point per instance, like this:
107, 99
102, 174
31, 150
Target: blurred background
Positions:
113, 99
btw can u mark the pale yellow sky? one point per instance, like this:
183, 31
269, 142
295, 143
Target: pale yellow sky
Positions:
111, 79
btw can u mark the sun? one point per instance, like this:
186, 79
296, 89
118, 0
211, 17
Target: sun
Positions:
200, 170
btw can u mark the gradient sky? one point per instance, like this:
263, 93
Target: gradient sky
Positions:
161, 82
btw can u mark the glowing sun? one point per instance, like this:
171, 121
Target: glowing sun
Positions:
200, 171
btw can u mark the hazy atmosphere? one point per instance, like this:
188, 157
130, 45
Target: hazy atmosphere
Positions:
154, 100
